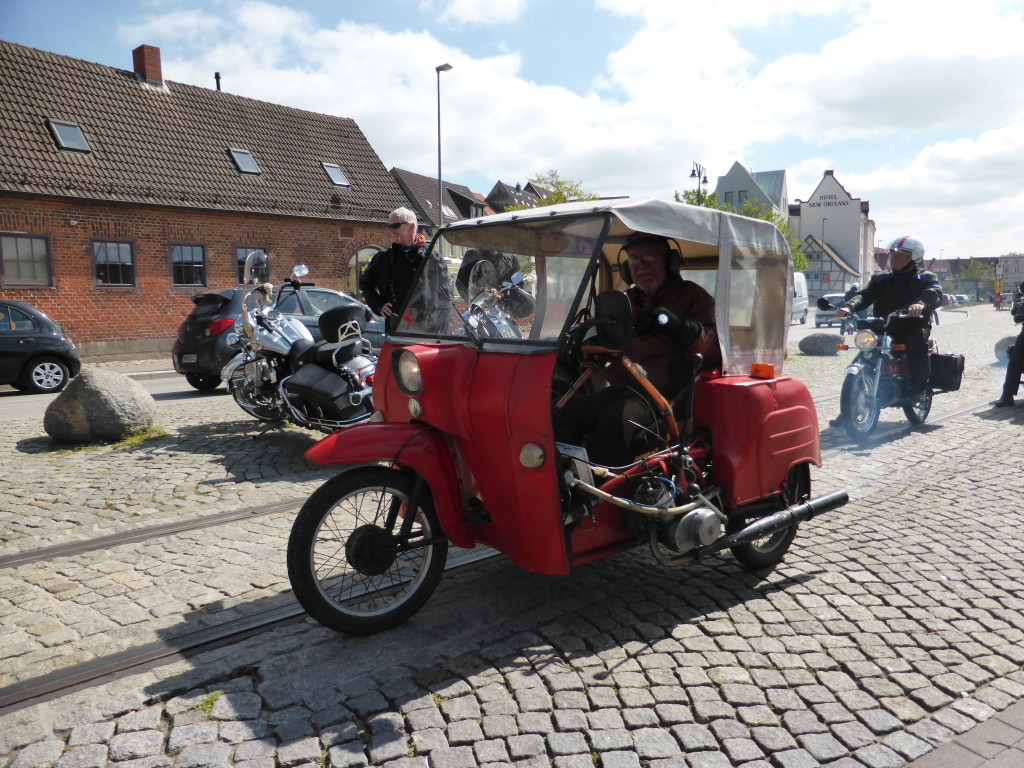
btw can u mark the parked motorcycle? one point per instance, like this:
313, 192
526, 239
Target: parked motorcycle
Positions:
879, 376
280, 374
465, 449
495, 305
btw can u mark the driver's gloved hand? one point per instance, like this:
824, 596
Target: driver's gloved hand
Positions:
682, 330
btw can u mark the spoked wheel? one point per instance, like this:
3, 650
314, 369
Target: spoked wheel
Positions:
255, 403
769, 551
858, 407
918, 411
359, 559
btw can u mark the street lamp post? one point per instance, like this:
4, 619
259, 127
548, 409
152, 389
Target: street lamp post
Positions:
440, 190
700, 173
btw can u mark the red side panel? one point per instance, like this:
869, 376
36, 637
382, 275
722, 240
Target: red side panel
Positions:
760, 428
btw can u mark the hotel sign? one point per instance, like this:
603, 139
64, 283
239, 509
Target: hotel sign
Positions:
827, 201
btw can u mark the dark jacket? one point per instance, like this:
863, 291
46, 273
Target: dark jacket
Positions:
389, 275
894, 291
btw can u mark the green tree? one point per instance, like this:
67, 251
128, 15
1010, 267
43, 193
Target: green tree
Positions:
753, 209
562, 191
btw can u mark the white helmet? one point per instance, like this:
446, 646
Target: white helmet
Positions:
909, 244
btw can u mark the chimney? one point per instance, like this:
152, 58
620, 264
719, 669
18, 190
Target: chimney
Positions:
146, 59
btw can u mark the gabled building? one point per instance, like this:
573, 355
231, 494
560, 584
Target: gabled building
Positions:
503, 196
459, 201
826, 272
835, 217
123, 195
740, 185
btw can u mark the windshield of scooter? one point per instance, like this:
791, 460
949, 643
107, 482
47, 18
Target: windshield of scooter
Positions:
553, 257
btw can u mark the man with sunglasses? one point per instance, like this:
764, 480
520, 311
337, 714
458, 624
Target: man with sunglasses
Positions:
907, 287
389, 275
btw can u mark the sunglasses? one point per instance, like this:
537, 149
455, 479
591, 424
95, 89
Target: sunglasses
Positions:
397, 224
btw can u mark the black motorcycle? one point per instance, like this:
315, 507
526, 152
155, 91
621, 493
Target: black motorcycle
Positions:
280, 374
879, 376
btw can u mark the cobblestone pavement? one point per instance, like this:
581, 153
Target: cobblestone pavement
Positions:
892, 632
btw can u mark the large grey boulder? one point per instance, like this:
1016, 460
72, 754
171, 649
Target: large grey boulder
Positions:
820, 344
1002, 349
99, 406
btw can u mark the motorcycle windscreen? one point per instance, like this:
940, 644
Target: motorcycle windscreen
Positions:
554, 256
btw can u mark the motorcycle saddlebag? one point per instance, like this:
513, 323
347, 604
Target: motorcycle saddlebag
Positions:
947, 372
323, 388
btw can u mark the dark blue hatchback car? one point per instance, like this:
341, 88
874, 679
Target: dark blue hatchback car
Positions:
36, 354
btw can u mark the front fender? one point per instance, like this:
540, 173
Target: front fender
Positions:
418, 447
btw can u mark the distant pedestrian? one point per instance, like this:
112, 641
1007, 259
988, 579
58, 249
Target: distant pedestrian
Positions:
1015, 365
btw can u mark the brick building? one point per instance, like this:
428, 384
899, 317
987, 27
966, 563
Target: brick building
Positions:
122, 196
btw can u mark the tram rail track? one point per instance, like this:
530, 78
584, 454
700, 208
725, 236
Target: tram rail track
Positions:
188, 644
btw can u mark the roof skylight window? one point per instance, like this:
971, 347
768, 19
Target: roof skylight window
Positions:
68, 135
244, 161
336, 175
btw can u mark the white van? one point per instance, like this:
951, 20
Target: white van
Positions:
799, 298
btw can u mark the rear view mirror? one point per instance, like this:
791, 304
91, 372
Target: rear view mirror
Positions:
823, 303
613, 316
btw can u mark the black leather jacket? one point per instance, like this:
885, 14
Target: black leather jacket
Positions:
898, 290
389, 275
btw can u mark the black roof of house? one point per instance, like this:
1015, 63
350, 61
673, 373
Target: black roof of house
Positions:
168, 144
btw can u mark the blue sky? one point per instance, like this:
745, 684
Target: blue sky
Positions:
915, 105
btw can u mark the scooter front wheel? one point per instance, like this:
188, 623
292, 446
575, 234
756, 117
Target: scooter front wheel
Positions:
858, 406
356, 561
767, 552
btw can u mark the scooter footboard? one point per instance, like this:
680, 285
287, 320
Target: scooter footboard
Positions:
410, 445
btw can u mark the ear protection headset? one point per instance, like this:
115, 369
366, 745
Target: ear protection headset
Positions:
672, 266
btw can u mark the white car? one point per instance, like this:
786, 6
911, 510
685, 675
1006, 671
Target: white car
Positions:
828, 317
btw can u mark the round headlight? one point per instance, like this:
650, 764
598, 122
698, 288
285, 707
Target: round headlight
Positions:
232, 340
865, 340
407, 373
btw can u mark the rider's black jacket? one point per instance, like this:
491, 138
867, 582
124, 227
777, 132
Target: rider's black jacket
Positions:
389, 275
898, 290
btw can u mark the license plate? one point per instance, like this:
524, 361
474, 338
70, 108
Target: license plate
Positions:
188, 358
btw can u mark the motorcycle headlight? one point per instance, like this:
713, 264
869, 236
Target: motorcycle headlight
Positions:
865, 340
233, 340
407, 372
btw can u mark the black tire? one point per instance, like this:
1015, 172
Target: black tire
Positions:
256, 405
45, 374
917, 412
342, 562
765, 553
858, 410
203, 382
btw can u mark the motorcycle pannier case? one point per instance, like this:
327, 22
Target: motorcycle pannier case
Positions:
947, 372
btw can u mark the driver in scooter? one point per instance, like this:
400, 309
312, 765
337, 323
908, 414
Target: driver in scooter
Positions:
674, 320
907, 287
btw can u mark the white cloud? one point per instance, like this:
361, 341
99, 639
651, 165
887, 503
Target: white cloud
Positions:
912, 104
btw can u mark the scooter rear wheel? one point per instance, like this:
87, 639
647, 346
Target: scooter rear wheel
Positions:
769, 551
348, 562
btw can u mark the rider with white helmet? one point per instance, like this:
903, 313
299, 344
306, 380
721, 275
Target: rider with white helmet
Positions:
907, 287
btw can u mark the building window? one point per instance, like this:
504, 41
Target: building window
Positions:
68, 135
244, 161
25, 261
727, 198
188, 264
114, 263
241, 253
336, 175
357, 266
